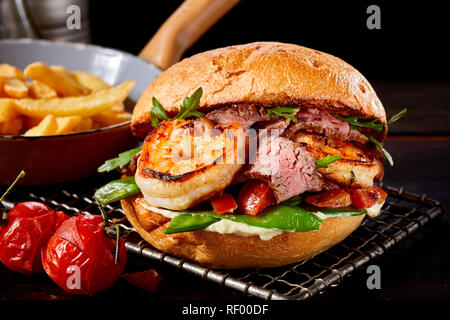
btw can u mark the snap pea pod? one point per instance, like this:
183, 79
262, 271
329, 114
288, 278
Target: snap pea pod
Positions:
281, 217
341, 212
117, 190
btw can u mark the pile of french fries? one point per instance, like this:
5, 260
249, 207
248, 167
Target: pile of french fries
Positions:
49, 100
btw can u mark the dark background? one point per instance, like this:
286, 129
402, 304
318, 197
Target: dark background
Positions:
411, 44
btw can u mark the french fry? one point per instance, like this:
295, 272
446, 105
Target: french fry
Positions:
90, 81
7, 110
11, 127
15, 88
67, 124
85, 125
61, 70
40, 90
8, 71
46, 127
85, 106
63, 85
109, 118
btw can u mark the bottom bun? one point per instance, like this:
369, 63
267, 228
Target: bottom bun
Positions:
231, 251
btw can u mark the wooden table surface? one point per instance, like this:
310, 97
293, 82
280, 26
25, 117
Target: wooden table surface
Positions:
418, 268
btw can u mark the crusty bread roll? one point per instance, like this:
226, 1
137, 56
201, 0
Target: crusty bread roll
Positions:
262, 73
230, 251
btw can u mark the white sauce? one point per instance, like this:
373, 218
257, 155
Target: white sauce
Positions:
375, 210
227, 226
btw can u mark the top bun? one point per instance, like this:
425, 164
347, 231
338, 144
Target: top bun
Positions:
268, 74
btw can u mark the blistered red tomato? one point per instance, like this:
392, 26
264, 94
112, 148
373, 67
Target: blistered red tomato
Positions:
254, 197
147, 280
30, 225
336, 198
367, 197
80, 257
223, 203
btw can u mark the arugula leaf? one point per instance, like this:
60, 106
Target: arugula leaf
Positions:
154, 119
323, 163
397, 116
283, 112
355, 122
119, 162
187, 109
190, 106
158, 110
386, 154
372, 124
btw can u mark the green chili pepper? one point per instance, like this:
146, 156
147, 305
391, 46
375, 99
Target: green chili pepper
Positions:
117, 190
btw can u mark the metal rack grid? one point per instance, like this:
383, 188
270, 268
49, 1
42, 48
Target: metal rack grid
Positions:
403, 214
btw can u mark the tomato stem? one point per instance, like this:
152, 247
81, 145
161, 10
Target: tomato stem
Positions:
109, 231
20, 176
4, 213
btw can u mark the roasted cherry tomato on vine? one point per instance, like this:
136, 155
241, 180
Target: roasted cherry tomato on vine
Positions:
80, 257
335, 198
30, 225
254, 197
367, 197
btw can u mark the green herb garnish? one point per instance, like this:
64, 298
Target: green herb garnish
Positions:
190, 105
372, 124
158, 110
283, 112
325, 162
356, 122
187, 109
378, 144
121, 161
397, 116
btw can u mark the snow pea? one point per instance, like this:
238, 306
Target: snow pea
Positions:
117, 190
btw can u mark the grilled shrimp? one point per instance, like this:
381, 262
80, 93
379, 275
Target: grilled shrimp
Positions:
357, 167
186, 162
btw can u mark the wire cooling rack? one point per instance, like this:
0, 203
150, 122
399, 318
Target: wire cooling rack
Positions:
403, 214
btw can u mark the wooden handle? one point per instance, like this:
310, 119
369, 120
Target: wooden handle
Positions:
183, 28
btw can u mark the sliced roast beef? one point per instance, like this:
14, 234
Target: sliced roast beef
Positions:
324, 123
278, 123
285, 166
246, 115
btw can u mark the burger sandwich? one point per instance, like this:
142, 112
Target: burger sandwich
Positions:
254, 156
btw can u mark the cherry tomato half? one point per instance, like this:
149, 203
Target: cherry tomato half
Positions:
367, 197
335, 198
254, 197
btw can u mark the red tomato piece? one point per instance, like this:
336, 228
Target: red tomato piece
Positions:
336, 198
147, 280
80, 258
367, 197
254, 197
224, 203
30, 225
